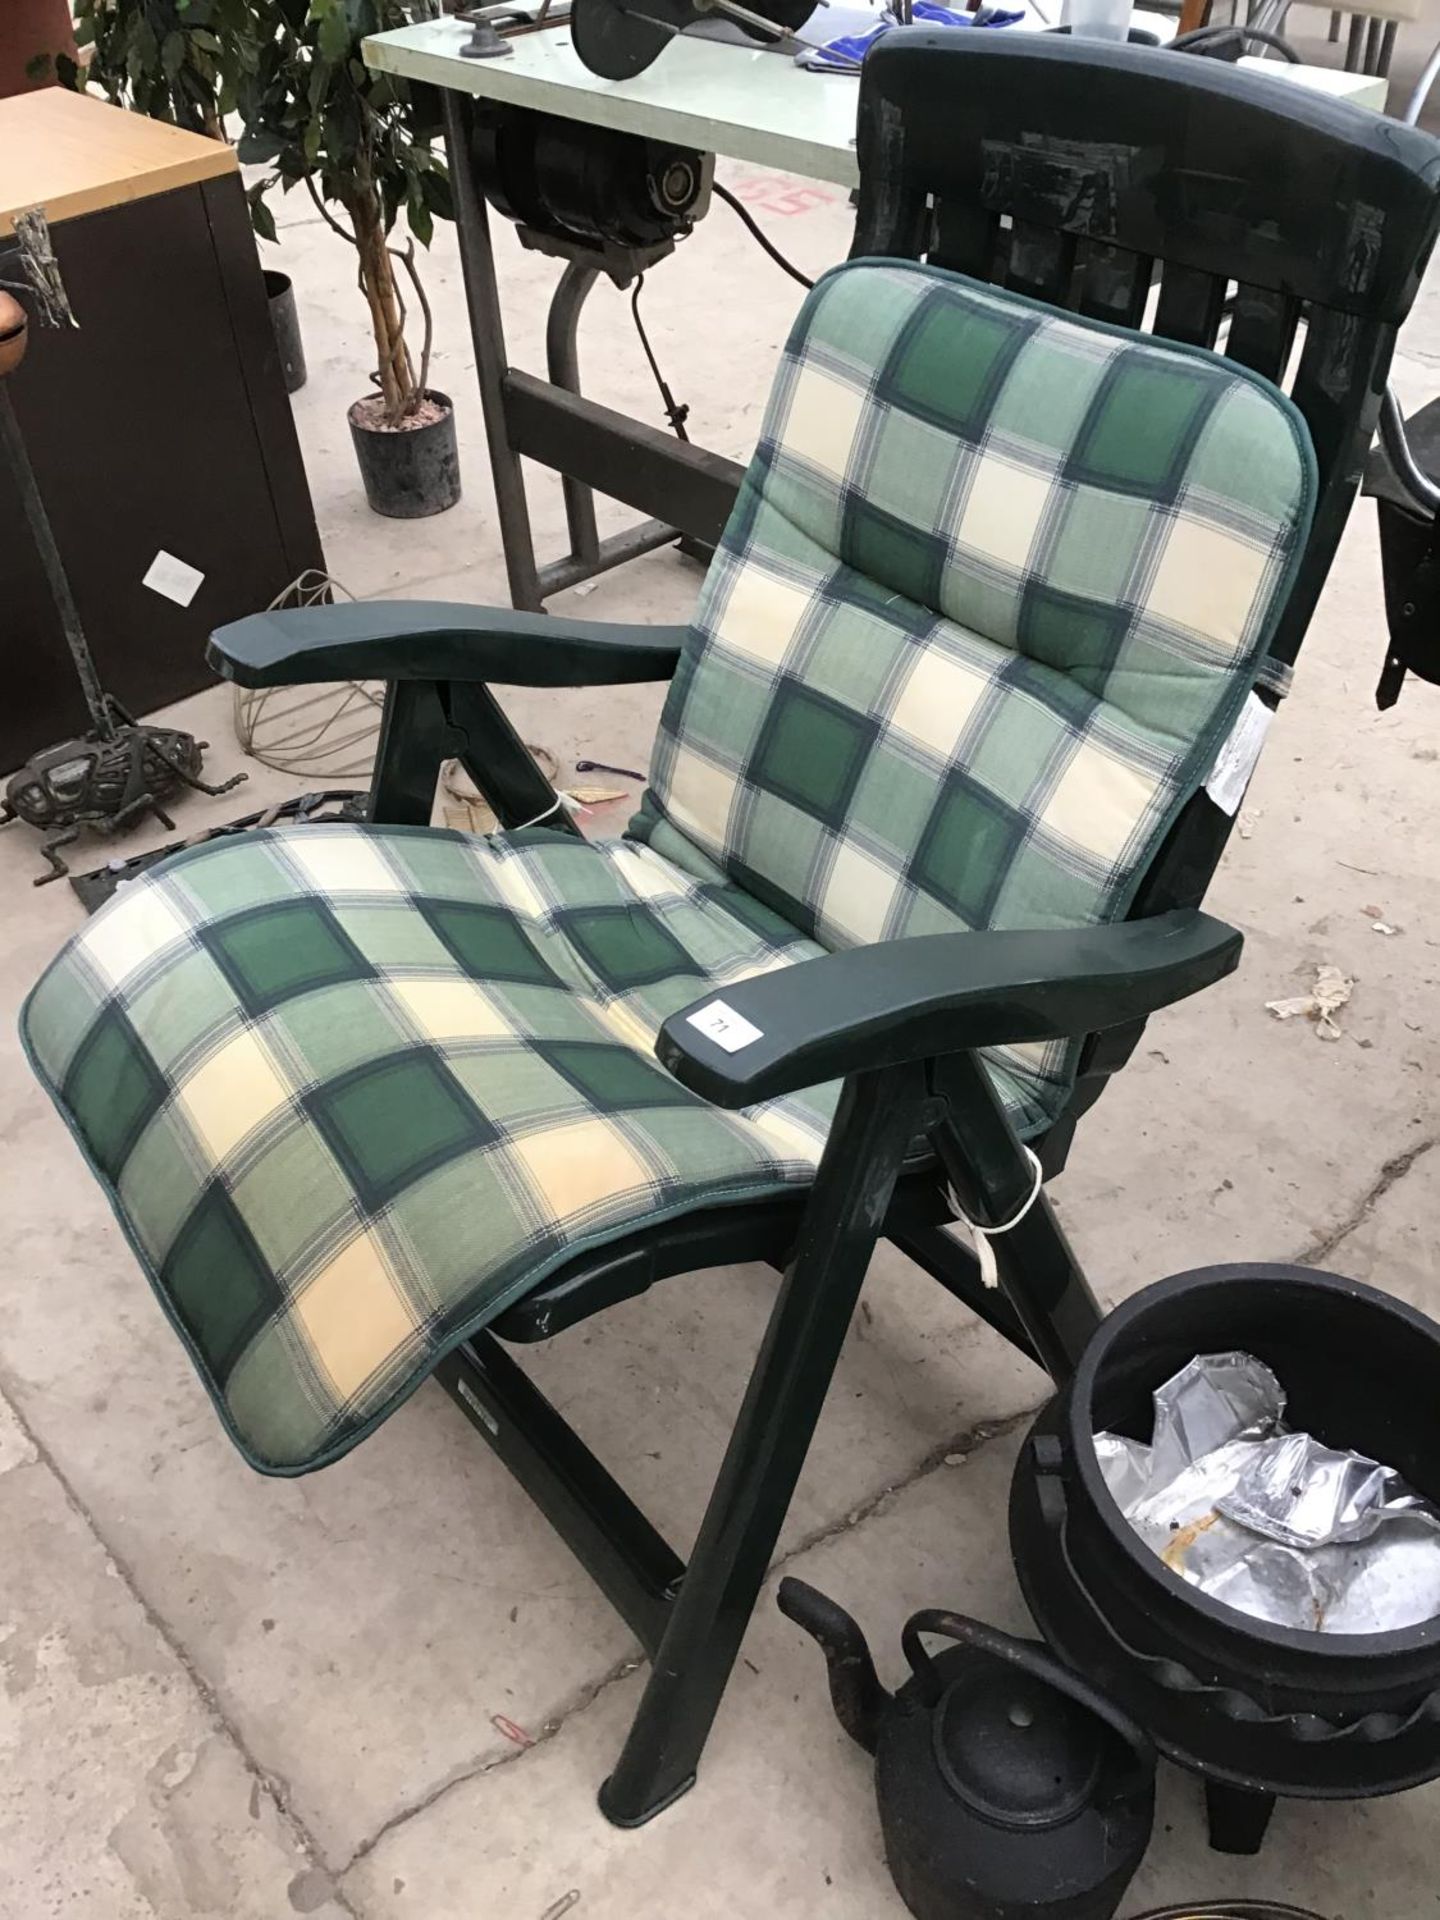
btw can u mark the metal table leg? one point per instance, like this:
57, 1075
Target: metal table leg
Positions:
563, 364
482, 299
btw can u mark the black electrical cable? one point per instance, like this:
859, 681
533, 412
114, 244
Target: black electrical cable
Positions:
1200, 40
1229, 1910
674, 413
759, 233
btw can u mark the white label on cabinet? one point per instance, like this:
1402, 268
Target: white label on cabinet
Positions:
173, 578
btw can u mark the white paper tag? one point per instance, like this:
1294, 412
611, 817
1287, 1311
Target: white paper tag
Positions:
725, 1027
1235, 761
173, 578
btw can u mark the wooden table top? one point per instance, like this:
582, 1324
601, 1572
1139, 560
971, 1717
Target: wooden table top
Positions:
71, 153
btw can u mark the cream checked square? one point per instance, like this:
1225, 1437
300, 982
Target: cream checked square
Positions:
783, 1134
626, 1024
1098, 803
761, 615
451, 1010
701, 796
1002, 512
645, 873
580, 1165
937, 701
232, 1092
1206, 581
821, 422
354, 1316
858, 896
513, 884
131, 933
339, 863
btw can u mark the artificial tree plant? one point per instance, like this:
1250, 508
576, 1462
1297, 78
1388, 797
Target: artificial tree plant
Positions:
361, 143
175, 60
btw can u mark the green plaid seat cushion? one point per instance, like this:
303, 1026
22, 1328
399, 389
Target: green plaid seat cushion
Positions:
353, 1090
996, 586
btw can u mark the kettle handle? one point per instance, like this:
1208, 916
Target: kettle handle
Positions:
1030, 1658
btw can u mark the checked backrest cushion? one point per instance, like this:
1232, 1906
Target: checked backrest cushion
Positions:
995, 588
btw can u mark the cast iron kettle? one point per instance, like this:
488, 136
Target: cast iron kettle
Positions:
1008, 1788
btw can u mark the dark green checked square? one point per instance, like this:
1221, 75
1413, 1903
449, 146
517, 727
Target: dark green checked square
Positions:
1143, 424
967, 849
953, 358
849, 588
272, 953
488, 942
218, 1281
812, 751
392, 1120
625, 947
902, 557
773, 928
1052, 689
1073, 634
612, 1079
112, 1090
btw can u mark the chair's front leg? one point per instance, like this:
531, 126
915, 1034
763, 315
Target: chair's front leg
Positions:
414, 736
878, 1115
426, 722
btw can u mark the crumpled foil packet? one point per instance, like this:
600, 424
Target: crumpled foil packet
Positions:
1273, 1523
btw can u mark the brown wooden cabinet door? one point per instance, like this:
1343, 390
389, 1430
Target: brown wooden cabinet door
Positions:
160, 423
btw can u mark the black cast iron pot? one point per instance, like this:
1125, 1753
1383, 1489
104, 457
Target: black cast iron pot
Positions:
1263, 1708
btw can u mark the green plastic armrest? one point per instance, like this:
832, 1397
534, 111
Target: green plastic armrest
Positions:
438, 640
939, 994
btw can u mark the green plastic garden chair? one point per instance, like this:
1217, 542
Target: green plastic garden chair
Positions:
926, 814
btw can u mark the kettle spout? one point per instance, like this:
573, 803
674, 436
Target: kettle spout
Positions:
859, 1700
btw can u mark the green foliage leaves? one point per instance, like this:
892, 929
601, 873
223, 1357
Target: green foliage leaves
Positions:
292, 69
312, 112
174, 60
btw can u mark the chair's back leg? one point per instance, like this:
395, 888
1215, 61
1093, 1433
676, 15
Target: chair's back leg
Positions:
879, 1114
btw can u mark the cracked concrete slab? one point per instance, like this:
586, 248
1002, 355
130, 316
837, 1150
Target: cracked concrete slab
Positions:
358, 1632
121, 1796
1390, 1240
783, 1817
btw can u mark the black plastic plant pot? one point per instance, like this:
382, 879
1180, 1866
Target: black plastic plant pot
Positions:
409, 472
285, 319
1269, 1709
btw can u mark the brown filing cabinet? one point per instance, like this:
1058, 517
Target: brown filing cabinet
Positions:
159, 425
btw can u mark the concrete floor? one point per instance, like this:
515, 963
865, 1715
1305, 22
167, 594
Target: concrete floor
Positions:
227, 1695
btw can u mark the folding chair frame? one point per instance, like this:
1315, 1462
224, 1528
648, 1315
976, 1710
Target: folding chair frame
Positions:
1080, 175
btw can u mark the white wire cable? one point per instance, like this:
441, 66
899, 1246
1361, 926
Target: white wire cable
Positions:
982, 1236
